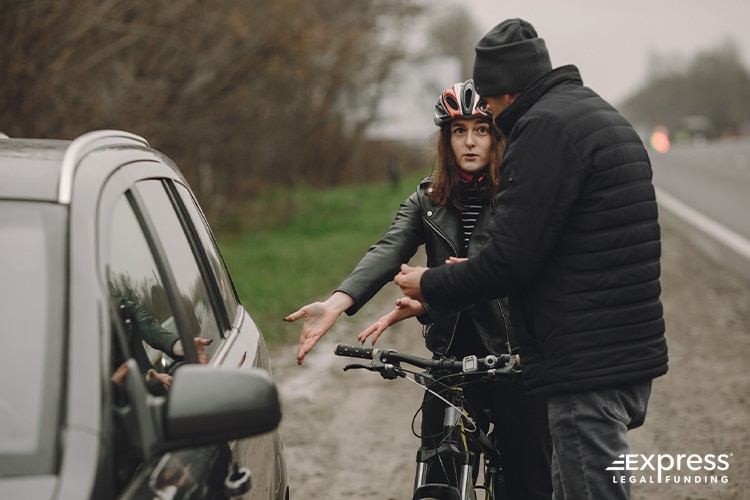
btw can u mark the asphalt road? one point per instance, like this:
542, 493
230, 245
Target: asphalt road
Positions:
712, 178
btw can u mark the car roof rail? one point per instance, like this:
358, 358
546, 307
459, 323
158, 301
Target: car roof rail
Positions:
85, 144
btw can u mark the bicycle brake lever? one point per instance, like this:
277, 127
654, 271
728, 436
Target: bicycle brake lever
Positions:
359, 365
387, 371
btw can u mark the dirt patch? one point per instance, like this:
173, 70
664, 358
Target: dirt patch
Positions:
702, 405
348, 435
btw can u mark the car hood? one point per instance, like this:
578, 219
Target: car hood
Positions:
37, 487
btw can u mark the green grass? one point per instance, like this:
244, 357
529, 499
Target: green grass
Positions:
300, 256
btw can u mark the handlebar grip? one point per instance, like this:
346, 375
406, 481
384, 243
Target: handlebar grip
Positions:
354, 352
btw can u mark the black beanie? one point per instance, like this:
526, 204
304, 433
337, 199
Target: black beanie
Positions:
509, 58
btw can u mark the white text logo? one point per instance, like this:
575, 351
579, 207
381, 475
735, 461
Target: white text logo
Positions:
668, 468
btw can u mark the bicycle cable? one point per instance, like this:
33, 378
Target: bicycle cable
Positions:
472, 427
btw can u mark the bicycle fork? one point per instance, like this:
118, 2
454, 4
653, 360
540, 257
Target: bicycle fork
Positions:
454, 449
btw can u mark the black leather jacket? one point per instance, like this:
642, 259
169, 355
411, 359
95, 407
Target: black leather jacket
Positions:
439, 228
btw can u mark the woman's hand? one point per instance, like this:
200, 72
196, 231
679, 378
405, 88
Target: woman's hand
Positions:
453, 260
319, 318
200, 345
405, 308
154, 377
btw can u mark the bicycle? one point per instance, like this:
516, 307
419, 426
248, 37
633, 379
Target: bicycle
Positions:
459, 424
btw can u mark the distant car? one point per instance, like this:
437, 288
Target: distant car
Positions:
130, 368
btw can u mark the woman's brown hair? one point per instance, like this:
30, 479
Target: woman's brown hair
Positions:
446, 177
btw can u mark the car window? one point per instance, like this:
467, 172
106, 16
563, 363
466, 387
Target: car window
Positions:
218, 267
147, 326
201, 321
138, 292
32, 299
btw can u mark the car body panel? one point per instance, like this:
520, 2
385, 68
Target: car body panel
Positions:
31, 168
40, 486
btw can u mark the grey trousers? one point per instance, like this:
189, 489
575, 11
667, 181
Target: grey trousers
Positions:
589, 430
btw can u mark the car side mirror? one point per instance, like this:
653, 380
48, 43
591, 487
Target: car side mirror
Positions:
209, 404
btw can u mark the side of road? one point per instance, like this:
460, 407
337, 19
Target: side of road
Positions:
702, 405
348, 435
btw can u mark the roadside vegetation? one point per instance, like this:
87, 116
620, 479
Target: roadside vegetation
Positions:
305, 244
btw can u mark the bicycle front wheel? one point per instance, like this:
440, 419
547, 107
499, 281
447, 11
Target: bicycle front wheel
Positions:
437, 492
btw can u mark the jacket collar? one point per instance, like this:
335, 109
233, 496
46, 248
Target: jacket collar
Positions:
508, 118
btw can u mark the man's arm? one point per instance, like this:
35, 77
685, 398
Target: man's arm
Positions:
537, 191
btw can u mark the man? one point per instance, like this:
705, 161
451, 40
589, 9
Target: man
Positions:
575, 245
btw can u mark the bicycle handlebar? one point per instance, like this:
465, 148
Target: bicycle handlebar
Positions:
386, 362
503, 363
354, 351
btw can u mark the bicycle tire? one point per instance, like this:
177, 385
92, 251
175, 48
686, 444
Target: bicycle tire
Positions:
437, 491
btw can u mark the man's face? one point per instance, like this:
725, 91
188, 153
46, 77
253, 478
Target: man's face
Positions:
498, 103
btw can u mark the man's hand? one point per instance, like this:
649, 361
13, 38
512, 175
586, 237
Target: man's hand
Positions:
405, 308
408, 279
319, 318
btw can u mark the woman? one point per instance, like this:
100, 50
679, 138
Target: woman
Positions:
449, 214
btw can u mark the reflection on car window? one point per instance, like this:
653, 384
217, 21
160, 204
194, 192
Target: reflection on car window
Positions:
143, 329
146, 325
138, 293
227, 291
182, 263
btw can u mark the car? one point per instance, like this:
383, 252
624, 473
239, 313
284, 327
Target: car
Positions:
131, 369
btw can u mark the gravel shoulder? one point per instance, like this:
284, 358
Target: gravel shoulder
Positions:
348, 435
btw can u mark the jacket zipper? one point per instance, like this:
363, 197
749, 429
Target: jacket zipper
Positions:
507, 325
454, 251
443, 236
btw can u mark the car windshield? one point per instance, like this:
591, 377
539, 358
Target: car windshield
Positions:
32, 284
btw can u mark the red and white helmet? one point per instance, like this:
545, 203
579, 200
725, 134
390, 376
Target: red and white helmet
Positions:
460, 101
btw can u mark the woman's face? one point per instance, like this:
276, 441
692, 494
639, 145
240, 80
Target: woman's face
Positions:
471, 141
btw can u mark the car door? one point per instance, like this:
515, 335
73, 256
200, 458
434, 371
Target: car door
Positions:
188, 289
243, 346
157, 303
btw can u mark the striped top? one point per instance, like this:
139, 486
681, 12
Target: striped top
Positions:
472, 203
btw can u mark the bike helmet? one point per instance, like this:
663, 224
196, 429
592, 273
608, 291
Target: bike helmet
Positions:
461, 100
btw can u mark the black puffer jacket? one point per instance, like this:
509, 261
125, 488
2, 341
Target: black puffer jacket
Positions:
420, 221
575, 243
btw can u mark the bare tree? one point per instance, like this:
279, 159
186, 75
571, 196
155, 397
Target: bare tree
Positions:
241, 94
712, 89
456, 34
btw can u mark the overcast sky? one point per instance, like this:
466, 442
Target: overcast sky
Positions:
610, 42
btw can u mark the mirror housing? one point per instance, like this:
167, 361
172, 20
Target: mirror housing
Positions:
207, 405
